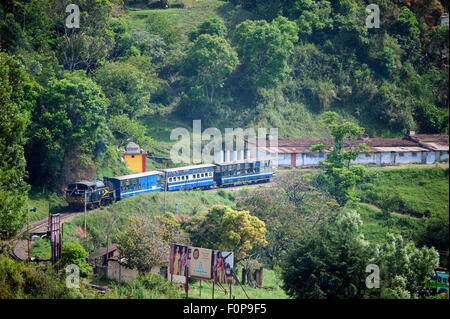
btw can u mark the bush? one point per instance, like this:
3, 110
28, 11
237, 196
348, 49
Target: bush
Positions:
74, 253
19, 280
145, 287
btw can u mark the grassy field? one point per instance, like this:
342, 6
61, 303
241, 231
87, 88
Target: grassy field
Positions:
375, 224
41, 201
193, 14
414, 191
271, 289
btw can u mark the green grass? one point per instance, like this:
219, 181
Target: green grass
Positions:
270, 289
41, 202
189, 203
414, 191
375, 227
194, 13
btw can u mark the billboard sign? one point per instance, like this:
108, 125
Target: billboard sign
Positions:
223, 267
178, 259
200, 263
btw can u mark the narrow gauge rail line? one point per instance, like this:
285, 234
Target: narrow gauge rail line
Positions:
39, 224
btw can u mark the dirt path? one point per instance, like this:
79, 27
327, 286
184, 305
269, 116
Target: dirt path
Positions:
378, 209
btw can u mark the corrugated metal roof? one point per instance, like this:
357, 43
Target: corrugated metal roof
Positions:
289, 150
399, 149
102, 252
299, 150
436, 146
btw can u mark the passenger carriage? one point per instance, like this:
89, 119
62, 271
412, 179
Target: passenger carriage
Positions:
244, 171
188, 177
134, 184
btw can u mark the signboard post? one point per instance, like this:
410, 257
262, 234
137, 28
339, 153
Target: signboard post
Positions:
55, 238
202, 264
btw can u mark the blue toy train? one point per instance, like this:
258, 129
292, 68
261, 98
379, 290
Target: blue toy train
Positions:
99, 193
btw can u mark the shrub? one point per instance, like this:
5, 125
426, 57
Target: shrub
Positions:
74, 253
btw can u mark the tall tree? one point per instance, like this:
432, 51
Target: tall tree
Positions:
64, 130
13, 121
223, 228
340, 177
264, 48
329, 262
208, 62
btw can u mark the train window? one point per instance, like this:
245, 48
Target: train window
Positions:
170, 179
439, 279
203, 175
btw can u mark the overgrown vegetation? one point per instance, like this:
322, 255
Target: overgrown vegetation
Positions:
70, 99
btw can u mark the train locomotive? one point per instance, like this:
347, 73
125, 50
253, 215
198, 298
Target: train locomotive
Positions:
99, 193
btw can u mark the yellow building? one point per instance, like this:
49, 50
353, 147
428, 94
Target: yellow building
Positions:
134, 158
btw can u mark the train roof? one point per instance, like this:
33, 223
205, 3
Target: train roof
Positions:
124, 177
97, 184
252, 160
186, 167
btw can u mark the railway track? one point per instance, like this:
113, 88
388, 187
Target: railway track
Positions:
19, 246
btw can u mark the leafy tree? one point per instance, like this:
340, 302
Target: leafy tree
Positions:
127, 85
212, 26
289, 211
339, 177
14, 118
145, 241
208, 62
88, 46
433, 232
74, 253
397, 257
329, 262
158, 24
125, 130
264, 48
406, 30
65, 126
223, 228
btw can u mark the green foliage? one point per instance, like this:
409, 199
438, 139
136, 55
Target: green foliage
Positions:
330, 260
126, 129
213, 26
399, 258
145, 241
74, 253
128, 85
288, 212
22, 281
65, 125
339, 177
264, 48
208, 62
223, 228
14, 118
145, 287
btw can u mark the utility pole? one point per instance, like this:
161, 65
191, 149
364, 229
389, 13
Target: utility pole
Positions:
165, 190
85, 203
